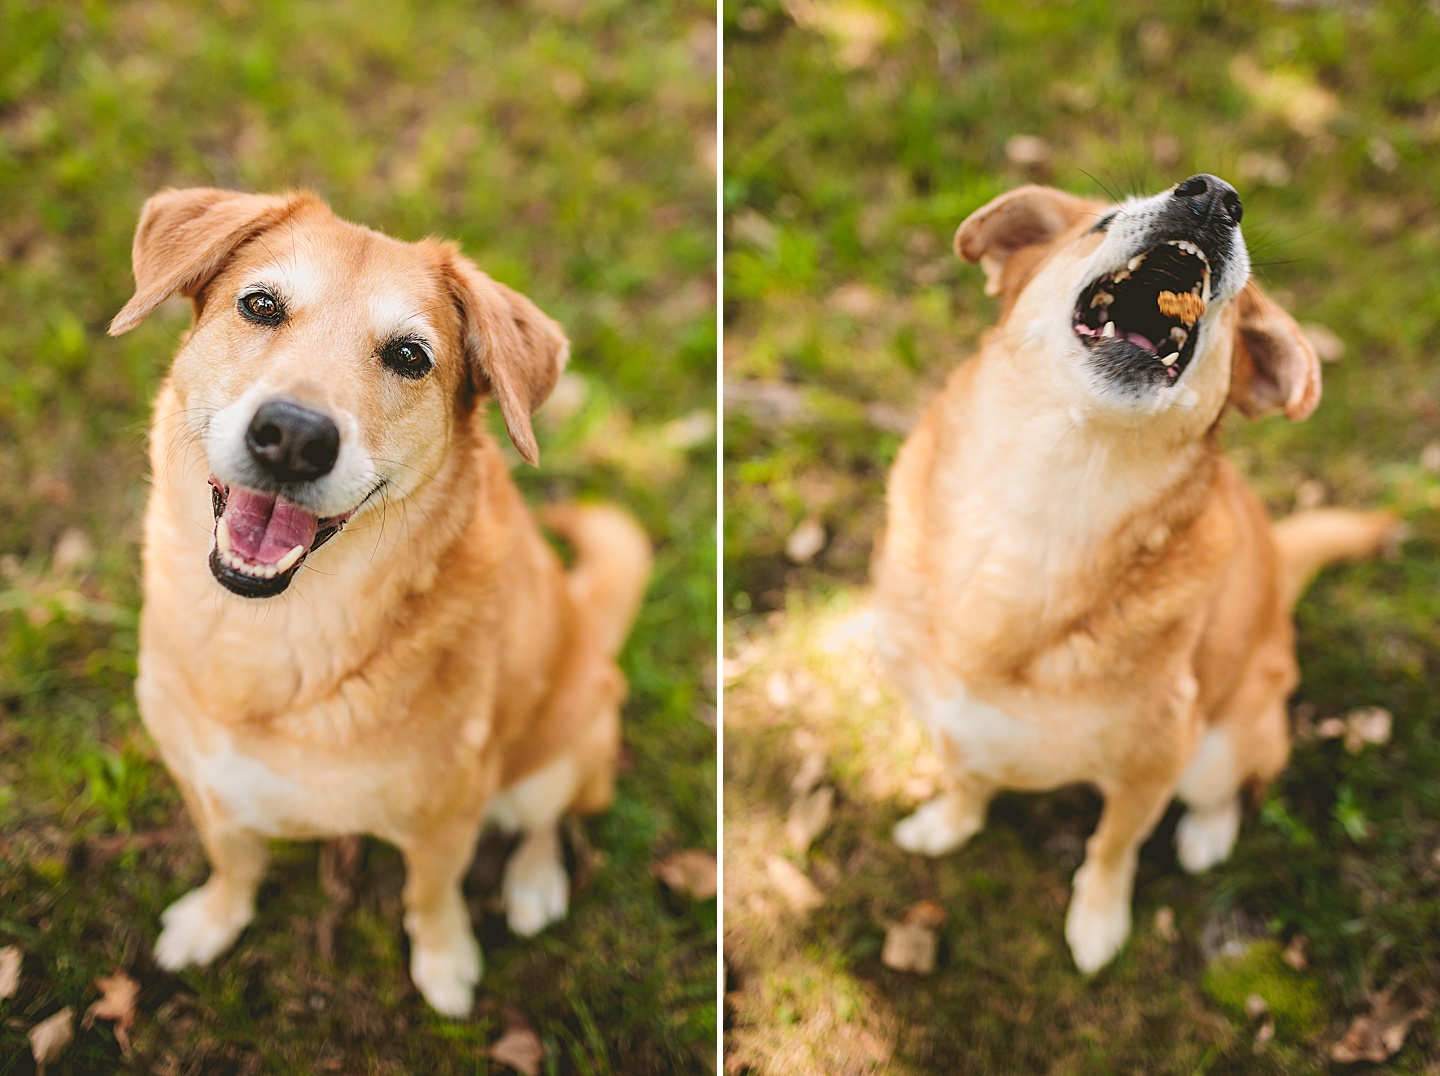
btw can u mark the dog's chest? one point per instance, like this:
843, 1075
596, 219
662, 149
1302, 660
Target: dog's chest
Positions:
279, 796
989, 742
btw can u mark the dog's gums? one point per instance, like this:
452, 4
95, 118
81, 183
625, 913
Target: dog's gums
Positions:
1141, 321
261, 539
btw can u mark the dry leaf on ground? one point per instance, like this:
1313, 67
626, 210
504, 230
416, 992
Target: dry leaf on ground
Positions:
520, 1048
49, 1038
910, 947
793, 884
692, 872
812, 769
809, 815
1379, 1034
911, 944
117, 1002
1165, 925
806, 540
925, 913
1294, 954
10, 958
1369, 724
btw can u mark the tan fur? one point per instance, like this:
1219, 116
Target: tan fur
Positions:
1069, 593
431, 656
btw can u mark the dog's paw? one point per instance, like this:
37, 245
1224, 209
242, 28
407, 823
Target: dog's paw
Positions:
1098, 921
447, 977
536, 897
940, 826
1205, 838
200, 926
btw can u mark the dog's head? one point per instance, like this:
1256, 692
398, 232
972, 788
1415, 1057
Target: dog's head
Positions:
328, 366
1147, 302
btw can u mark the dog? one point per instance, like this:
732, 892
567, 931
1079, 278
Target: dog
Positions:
351, 622
1074, 584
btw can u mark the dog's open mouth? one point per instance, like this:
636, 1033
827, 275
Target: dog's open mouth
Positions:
1143, 320
261, 539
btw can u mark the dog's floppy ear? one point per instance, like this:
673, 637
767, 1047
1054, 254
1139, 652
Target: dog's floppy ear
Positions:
184, 238
516, 352
1274, 367
1017, 219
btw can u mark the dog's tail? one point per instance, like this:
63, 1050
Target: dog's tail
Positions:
612, 565
1310, 540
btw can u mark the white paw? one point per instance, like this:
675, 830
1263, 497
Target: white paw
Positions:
1097, 923
447, 977
938, 827
536, 894
200, 926
1205, 838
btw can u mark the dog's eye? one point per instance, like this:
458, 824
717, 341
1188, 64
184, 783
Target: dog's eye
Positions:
262, 307
407, 358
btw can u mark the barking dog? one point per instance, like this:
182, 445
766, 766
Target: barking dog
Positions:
1075, 584
436, 666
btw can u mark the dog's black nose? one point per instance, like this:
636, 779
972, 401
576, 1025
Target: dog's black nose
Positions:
292, 443
1210, 194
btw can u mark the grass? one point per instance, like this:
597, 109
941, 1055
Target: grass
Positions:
565, 146
858, 136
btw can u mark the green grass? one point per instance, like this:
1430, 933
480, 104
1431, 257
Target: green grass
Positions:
857, 139
564, 145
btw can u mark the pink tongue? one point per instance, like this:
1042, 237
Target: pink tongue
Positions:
263, 527
1143, 341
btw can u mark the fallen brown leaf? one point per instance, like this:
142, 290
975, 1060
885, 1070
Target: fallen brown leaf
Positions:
792, 884
1165, 925
1294, 954
520, 1048
812, 769
809, 815
910, 947
339, 867
117, 1002
806, 540
1369, 724
1379, 1034
925, 913
10, 958
49, 1038
692, 872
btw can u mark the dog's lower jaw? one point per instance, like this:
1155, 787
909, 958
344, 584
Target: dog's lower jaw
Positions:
202, 924
1098, 920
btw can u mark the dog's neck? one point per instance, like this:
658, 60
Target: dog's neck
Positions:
1063, 468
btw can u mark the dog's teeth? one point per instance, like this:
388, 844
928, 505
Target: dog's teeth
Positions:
222, 535
1123, 274
1109, 330
285, 563
1179, 335
1135, 262
1102, 298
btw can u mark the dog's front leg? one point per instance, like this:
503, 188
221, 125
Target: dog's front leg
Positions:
206, 921
444, 955
950, 819
1098, 921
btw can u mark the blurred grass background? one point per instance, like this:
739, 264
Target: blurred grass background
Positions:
857, 136
569, 146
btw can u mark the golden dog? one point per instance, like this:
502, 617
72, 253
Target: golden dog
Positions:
1075, 584
437, 667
